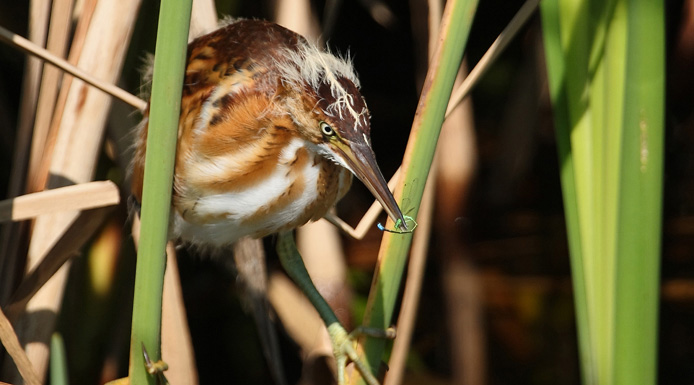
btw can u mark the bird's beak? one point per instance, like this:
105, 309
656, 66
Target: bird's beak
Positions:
361, 160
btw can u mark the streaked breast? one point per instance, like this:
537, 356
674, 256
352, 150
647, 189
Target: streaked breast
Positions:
274, 183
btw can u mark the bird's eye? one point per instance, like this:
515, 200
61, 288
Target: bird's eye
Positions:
326, 129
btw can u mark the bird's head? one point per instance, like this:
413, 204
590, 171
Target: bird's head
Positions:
330, 112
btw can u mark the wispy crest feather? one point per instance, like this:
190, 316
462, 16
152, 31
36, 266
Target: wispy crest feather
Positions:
309, 65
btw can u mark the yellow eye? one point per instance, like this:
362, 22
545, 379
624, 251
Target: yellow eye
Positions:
326, 129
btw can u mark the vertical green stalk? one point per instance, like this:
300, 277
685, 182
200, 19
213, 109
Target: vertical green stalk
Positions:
640, 215
555, 60
169, 64
426, 128
605, 69
58, 364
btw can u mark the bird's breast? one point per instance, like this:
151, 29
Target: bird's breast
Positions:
273, 183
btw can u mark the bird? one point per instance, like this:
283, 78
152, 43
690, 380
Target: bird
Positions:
271, 130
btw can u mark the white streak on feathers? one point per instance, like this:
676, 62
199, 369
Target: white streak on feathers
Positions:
237, 206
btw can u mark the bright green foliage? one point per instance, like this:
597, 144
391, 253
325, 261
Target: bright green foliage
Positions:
605, 62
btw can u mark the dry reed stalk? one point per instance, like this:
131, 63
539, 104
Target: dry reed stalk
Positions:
55, 60
302, 330
82, 196
73, 160
324, 257
74, 237
307, 330
252, 279
38, 27
176, 342
456, 161
203, 18
14, 349
298, 16
58, 36
12, 232
37, 179
464, 292
322, 252
505, 37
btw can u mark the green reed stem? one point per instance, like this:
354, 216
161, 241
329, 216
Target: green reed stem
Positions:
169, 64
419, 155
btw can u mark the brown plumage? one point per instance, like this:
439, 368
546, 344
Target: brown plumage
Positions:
269, 131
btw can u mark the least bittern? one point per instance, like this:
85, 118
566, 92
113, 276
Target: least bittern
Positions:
270, 132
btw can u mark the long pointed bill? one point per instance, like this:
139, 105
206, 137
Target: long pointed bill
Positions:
361, 160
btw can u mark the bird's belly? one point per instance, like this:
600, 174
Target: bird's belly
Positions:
289, 196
